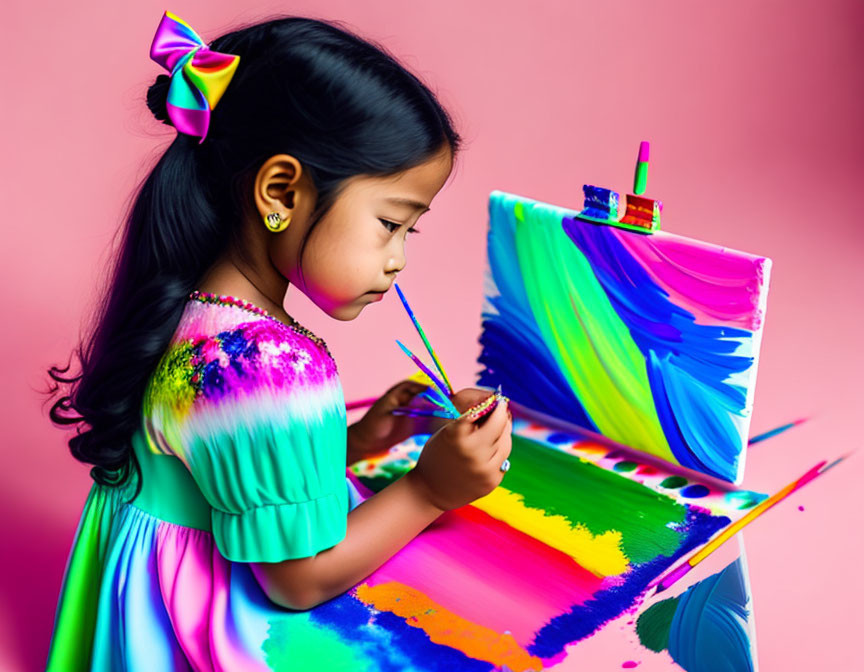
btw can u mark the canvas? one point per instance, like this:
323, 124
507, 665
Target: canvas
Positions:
650, 339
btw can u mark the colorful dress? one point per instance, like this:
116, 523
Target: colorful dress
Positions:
242, 450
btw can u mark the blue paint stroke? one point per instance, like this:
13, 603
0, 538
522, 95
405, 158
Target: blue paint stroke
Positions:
510, 333
774, 432
584, 619
709, 630
688, 364
387, 642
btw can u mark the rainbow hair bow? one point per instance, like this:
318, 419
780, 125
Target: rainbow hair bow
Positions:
203, 74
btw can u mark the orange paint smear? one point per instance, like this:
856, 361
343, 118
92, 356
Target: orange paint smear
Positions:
445, 627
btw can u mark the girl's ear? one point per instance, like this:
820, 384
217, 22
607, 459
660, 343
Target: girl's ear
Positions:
280, 186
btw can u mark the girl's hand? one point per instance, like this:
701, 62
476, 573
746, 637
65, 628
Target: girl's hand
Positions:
461, 462
379, 429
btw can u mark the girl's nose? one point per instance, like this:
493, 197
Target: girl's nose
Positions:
396, 263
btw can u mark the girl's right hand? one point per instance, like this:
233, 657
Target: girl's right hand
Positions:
461, 461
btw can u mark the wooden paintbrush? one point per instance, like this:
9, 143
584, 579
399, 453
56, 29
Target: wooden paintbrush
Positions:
681, 570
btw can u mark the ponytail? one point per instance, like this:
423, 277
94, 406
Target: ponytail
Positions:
171, 237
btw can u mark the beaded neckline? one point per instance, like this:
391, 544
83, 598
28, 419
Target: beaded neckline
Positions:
228, 300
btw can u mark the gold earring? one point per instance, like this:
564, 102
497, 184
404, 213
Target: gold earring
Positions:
274, 222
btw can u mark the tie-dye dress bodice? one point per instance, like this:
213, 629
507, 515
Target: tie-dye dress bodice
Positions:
242, 457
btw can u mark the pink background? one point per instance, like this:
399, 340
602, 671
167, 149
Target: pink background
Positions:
754, 113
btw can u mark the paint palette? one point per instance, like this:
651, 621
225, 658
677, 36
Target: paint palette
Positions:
685, 490
567, 542
650, 339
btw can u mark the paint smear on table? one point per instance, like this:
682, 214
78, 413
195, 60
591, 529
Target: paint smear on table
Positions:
708, 628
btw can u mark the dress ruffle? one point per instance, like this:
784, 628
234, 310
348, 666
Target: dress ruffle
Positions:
282, 531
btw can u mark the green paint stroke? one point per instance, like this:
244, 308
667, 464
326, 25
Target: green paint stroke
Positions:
655, 623
591, 344
294, 642
558, 483
624, 467
673, 482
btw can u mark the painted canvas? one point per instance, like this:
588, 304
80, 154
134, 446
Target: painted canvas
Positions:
648, 338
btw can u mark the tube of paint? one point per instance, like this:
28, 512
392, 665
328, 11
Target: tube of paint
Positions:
641, 177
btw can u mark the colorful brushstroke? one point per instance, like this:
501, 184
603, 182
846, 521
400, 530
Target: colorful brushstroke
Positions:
709, 628
564, 545
650, 340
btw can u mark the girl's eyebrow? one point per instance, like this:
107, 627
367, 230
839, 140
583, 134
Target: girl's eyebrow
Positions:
417, 205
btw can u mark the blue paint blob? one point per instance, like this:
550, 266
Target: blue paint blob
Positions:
706, 629
562, 437
709, 629
694, 491
389, 640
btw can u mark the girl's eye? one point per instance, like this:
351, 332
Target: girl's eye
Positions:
395, 226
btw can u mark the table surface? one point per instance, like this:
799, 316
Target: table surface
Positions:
779, 549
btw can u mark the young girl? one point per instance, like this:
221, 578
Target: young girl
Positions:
216, 423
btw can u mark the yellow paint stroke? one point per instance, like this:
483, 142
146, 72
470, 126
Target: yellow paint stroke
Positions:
447, 628
601, 555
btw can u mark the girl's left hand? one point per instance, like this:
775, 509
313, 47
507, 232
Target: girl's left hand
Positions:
379, 429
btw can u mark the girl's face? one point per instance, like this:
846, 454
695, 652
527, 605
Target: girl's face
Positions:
354, 253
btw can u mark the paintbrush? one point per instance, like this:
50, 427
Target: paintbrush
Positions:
776, 431
442, 397
420, 412
440, 391
360, 403
423, 337
475, 413
676, 574
436, 381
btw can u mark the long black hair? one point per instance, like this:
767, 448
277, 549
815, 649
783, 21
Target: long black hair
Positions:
310, 88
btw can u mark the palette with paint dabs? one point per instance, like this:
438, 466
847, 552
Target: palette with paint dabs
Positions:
629, 356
